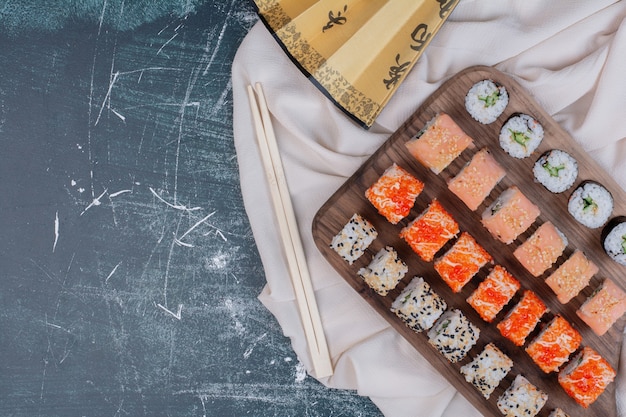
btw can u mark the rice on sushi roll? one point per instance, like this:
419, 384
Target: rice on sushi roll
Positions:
556, 170
521, 135
591, 204
352, 240
453, 335
522, 399
486, 100
418, 305
614, 240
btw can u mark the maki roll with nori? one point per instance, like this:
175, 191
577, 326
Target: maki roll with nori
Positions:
556, 170
486, 100
591, 204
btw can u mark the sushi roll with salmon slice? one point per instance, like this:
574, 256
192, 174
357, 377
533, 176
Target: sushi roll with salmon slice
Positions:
476, 180
510, 215
486, 100
394, 193
521, 135
604, 307
439, 143
572, 276
591, 204
542, 249
586, 377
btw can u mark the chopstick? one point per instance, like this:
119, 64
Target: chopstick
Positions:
292, 244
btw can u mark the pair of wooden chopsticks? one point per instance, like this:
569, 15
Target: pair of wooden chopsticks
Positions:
290, 237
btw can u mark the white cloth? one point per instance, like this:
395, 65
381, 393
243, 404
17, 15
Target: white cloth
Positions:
570, 55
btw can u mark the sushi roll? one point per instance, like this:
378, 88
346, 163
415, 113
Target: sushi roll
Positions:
522, 399
418, 305
476, 180
542, 249
556, 170
384, 271
572, 276
493, 293
603, 308
461, 262
614, 240
394, 193
586, 376
430, 231
591, 204
510, 215
486, 101
557, 412
487, 369
352, 240
521, 135
439, 143
523, 318
453, 335
554, 344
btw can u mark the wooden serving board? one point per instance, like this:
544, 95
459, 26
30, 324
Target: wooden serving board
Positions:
349, 199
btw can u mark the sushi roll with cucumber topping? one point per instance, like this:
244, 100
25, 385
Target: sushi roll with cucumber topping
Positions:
591, 204
521, 135
556, 170
486, 101
614, 240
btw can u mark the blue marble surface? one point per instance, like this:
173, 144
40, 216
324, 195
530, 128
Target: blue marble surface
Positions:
128, 271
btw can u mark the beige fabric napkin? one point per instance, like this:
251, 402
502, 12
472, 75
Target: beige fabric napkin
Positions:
570, 55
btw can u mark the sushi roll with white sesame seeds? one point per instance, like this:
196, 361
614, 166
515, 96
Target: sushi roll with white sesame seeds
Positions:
591, 204
384, 271
487, 369
418, 305
556, 170
356, 236
521, 135
486, 100
453, 335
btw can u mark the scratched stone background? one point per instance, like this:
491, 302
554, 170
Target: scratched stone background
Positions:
128, 271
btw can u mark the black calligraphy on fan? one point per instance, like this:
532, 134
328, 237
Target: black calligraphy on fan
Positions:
338, 19
396, 72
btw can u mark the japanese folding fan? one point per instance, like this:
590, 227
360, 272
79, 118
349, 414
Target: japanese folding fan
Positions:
357, 52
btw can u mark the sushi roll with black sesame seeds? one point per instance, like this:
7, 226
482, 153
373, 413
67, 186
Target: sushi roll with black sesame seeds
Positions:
356, 236
556, 170
521, 135
614, 240
453, 335
487, 369
591, 204
384, 271
486, 100
557, 412
522, 399
418, 305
